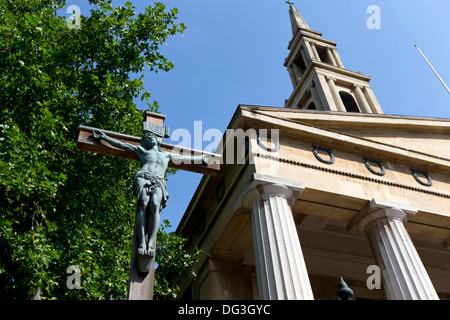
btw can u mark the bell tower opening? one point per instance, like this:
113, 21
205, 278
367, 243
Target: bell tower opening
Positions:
323, 55
349, 102
311, 106
300, 64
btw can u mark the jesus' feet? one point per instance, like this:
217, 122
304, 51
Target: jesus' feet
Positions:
142, 249
151, 252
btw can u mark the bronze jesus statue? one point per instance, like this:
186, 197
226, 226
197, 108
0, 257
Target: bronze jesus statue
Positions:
149, 184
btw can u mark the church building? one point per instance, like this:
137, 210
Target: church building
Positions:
325, 187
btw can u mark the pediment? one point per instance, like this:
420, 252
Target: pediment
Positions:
429, 137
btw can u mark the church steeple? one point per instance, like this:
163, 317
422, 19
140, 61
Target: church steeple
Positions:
319, 77
297, 20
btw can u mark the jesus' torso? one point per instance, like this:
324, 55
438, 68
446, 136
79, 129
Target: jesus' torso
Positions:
153, 161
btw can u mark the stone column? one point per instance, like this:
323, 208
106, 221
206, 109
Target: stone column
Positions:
372, 100
315, 96
362, 99
315, 53
294, 78
337, 58
403, 274
305, 57
280, 267
325, 95
330, 57
297, 73
337, 98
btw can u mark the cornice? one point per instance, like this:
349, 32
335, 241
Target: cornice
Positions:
354, 175
349, 141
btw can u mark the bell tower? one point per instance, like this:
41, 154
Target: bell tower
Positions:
319, 77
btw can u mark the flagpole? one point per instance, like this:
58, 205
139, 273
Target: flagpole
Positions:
435, 72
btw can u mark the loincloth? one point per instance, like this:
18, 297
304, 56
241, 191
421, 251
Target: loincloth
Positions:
145, 180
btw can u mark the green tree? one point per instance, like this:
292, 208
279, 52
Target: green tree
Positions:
174, 263
60, 206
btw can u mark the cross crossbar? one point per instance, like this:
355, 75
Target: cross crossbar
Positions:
87, 142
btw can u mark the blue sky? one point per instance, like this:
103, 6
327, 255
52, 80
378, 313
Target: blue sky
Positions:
232, 53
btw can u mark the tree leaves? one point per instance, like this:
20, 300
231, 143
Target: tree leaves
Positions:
60, 206
175, 263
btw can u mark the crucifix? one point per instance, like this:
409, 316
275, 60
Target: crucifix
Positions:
149, 186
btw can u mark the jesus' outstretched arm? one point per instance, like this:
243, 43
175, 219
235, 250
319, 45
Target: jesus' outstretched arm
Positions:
115, 143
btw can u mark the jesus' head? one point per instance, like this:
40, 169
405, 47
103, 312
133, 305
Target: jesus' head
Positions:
149, 140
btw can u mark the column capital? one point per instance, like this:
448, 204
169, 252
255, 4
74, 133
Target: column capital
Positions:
262, 185
360, 86
330, 78
379, 209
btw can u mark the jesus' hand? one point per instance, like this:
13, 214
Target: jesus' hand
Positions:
98, 134
205, 160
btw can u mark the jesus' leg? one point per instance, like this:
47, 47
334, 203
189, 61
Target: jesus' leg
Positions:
153, 219
141, 221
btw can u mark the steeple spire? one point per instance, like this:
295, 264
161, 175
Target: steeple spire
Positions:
320, 80
297, 20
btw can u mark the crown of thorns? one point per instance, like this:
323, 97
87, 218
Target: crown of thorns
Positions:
148, 134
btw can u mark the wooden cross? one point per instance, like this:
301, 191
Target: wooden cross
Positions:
140, 286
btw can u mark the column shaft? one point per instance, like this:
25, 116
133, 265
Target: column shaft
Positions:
337, 58
315, 53
330, 57
305, 57
311, 54
336, 96
325, 95
404, 276
280, 267
294, 78
362, 100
